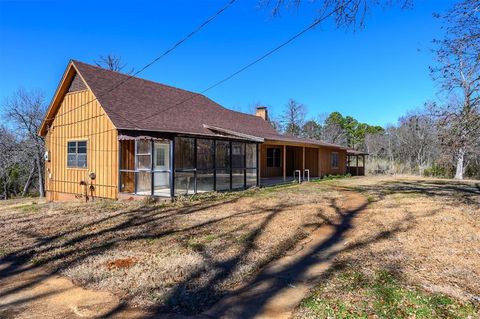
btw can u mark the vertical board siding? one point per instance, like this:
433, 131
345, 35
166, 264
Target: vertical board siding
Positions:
326, 162
76, 122
311, 161
317, 160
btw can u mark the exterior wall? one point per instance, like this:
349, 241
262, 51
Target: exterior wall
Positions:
317, 159
269, 171
81, 123
311, 161
326, 162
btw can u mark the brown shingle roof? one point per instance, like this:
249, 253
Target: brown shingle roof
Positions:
139, 104
144, 105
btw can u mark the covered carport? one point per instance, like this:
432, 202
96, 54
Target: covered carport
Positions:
356, 162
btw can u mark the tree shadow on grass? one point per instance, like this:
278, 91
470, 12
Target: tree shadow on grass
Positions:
66, 248
200, 289
143, 223
454, 191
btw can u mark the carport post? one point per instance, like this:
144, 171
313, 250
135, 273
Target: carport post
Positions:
284, 164
319, 163
303, 162
357, 165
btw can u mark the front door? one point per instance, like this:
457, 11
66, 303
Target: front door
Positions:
161, 167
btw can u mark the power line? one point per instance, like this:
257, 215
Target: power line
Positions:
165, 53
264, 56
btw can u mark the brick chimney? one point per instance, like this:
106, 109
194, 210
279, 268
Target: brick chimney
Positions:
262, 112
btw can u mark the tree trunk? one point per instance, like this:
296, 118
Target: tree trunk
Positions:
29, 180
459, 171
5, 188
41, 188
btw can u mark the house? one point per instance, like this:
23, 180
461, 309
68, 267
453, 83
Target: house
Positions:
111, 135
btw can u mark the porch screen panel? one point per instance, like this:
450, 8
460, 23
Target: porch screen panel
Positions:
222, 165
238, 178
184, 183
205, 181
251, 177
184, 153
127, 166
251, 164
251, 155
222, 155
144, 183
144, 155
184, 166
223, 179
238, 165
238, 155
145, 167
205, 165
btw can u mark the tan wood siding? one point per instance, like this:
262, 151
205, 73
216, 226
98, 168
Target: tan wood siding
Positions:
311, 161
326, 162
78, 122
317, 159
270, 171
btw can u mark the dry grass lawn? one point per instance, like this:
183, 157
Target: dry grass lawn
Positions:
180, 257
184, 256
419, 234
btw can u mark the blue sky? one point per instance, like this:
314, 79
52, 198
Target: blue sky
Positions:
375, 74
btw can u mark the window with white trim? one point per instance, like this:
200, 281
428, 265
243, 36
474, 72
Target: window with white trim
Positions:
77, 154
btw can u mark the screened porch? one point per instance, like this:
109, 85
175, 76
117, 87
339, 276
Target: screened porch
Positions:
186, 166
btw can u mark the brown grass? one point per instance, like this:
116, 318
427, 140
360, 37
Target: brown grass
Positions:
424, 231
183, 256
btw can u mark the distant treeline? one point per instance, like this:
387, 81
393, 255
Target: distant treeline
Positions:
416, 145
442, 139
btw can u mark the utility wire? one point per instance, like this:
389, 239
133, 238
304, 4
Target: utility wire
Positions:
264, 56
249, 65
165, 53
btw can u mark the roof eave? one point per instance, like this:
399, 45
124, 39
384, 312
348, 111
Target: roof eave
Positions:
67, 74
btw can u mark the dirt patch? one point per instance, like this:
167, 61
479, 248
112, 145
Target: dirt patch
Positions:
124, 263
27, 292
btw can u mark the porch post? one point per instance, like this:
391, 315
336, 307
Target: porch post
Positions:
363, 158
135, 178
172, 168
319, 163
258, 163
303, 163
284, 164
357, 165
152, 175
119, 167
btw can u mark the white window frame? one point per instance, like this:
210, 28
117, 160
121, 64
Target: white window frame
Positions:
76, 166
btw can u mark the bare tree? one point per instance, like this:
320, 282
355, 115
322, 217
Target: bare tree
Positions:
334, 133
25, 110
8, 159
312, 129
459, 76
111, 62
293, 118
347, 13
417, 141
